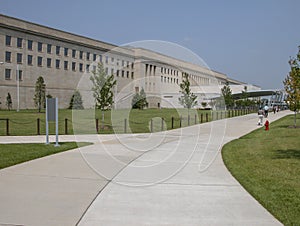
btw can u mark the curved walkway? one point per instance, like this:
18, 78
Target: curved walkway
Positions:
170, 178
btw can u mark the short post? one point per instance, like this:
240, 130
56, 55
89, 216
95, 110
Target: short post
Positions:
7, 127
125, 125
151, 125
172, 122
38, 126
97, 125
195, 119
206, 117
201, 118
162, 124
180, 121
188, 120
66, 126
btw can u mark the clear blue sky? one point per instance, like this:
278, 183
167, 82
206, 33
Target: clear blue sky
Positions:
250, 41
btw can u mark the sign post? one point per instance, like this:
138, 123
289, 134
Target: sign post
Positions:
52, 115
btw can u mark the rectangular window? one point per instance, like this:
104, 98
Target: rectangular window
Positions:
112, 71
100, 58
80, 67
118, 73
112, 59
81, 55
73, 53
94, 57
49, 47
66, 52
73, 66
40, 47
19, 42
7, 57
8, 40
127, 64
57, 50
127, 74
87, 56
29, 59
40, 61
57, 64
29, 44
122, 63
19, 58
49, 62
66, 65
106, 59
7, 74
123, 73
132, 65
87, 68
132, 75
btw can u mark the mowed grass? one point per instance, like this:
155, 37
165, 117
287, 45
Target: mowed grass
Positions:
267, 164
12, 154
25, 122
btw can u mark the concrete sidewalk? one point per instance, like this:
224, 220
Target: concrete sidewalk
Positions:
169, 178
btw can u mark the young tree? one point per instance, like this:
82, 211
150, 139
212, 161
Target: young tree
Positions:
189, 99
245, 95
292, 85
227, 95
40, 93
76, 101
139, 100
102, 89
8, 101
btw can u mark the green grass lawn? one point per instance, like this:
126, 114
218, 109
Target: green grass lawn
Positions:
25, 123
12, 154
267, 164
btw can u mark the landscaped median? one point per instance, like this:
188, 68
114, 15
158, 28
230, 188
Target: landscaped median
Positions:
267, 164
12, 154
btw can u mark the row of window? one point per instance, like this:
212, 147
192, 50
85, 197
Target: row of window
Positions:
168, 79
66, 51
19, 73
168, 71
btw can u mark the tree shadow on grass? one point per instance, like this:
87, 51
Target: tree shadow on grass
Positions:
287, 154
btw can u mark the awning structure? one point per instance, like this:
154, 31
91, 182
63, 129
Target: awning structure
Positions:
257, 93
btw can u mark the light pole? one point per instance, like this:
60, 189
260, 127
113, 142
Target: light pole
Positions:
18, 85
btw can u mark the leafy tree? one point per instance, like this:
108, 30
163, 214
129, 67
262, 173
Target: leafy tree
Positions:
76, 101
292, 85
227, 95
189, 99
40, 93
139, 100
8, 101
102, 89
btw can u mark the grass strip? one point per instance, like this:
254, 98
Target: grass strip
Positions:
12, 154
267, 164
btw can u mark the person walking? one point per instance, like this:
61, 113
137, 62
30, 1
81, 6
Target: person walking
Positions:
266, 110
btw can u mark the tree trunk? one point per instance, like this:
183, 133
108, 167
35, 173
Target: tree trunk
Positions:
102, 121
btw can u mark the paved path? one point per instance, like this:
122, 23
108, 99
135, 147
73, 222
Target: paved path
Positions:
169, 178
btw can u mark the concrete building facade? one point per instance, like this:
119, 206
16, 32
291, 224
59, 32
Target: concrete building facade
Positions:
67, 60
